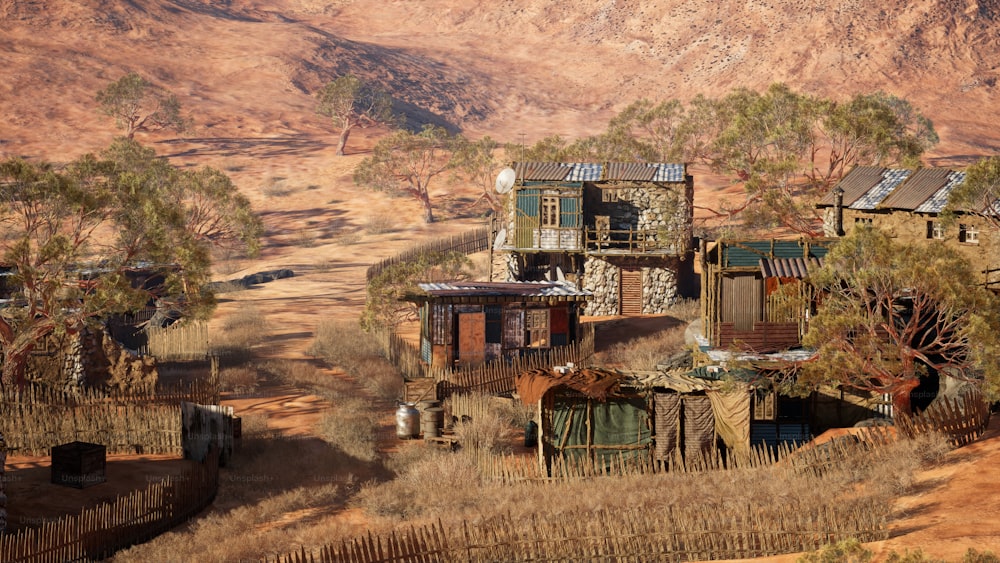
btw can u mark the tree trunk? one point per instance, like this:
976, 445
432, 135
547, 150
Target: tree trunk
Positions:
425, 198
901, 399
344, 134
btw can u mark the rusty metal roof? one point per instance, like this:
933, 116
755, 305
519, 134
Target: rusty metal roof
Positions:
597, 172
542, 171
871, 199
937, 201
788, 267
858, 181
512, 289
917, 189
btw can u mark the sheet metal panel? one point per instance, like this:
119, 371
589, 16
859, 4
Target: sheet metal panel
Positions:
937, 201
630, 171
584, 172
788, 267
891, 179
542, 171
917, 189
742, 301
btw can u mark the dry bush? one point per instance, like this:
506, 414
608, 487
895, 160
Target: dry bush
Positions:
241, 331
433, 484
380, 377
277, 186
242, 380
490, 431
644, 353
379, 224
343, 344
846, 551
351, 426
685, 309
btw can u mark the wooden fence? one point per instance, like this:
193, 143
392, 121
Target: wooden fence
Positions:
962, 419
471, 242
97, 533
675, 533
186, 341
197, 391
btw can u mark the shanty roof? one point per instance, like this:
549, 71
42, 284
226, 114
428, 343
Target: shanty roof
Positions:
599, 172
789, 267
595, 383
869, 188
749, 253
559, 290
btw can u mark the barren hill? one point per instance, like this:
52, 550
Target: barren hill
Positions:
245, 68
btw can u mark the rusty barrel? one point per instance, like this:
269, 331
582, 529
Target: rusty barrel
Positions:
432, 421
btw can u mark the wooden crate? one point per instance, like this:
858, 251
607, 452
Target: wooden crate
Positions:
79, 464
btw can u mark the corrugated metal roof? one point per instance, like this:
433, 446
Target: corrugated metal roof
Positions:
668, 172
937, 202
518, 289
891, 178
541, 171
598, 172
917, 189
749, 253
788, 267
584, 172
630, 171
855, 184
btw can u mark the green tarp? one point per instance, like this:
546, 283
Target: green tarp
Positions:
616, 428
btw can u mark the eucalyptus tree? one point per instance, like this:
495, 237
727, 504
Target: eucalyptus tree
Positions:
352, 103
137, 105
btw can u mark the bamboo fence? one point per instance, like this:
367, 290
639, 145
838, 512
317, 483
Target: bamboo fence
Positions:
98, 532
187, 341
470, 242
676, 533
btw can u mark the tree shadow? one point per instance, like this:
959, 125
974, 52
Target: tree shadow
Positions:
260, 147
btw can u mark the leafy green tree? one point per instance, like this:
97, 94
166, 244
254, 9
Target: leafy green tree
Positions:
352, 103
406, 162
72, 234
136, 105
890, 313
870, 129
477, 162
648, 131
384, 307
980, 192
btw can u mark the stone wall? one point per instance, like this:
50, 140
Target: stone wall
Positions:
659, 287
601, 277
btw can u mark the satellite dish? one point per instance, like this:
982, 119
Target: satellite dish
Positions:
501, 238
505, 180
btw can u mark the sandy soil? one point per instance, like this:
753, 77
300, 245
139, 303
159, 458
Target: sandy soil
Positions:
517, 71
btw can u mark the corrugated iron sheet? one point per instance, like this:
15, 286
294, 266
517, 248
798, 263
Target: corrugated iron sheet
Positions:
937, 201
542, 171
855, 184
584, 172
788, 267
521, 289
917, 189
891, 178
598, 172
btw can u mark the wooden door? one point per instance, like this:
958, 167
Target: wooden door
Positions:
471, 338
630, 296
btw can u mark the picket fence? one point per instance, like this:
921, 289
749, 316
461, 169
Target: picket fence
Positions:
477, 240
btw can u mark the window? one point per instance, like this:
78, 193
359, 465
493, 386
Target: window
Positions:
935, 230
968, 234
609, 195
537, 325
862, 220
550, 211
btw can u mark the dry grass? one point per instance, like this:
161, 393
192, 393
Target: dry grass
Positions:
645, 352
343, 344
241, 332
241, 380
379, 224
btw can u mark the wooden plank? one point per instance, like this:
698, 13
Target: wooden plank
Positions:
630, 294
471, 338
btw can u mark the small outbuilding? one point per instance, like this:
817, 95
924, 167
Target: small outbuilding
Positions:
470, 323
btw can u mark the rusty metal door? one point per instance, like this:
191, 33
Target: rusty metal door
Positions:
471, 338
630, 296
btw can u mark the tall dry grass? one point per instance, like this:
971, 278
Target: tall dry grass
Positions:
242, 332
343, 344
645, 352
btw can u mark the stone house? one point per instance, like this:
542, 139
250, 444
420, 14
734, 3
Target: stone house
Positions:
908, 205
619, 230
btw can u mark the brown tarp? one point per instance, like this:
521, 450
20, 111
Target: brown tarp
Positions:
732, 417
668, 412
594, 383
699, 427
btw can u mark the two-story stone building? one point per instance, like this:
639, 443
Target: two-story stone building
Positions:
621, 231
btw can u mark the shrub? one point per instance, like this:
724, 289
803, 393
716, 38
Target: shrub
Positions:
846, 551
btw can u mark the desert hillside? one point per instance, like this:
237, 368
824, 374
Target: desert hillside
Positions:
246, 69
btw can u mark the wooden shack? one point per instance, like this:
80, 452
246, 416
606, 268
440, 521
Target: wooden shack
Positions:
470, 323
744, 291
